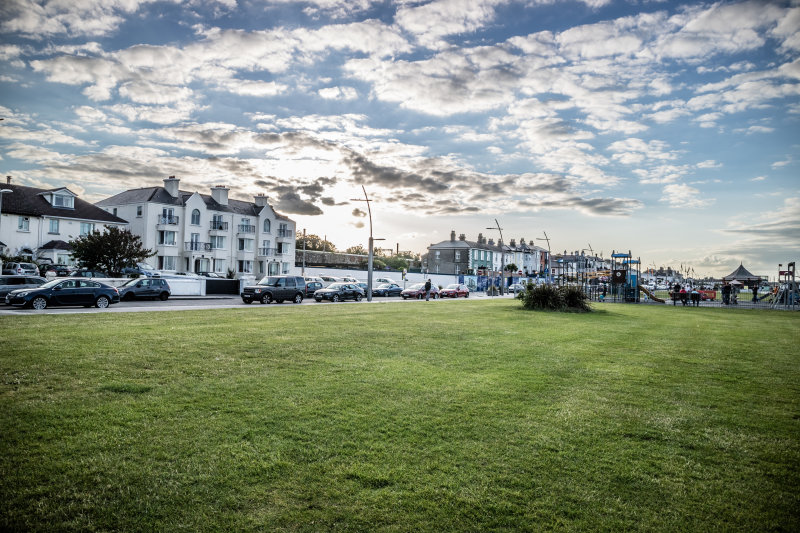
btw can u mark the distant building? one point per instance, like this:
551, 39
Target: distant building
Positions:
460, 256
38, 224
193, 232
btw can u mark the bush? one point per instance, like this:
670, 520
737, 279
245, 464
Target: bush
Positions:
551, 298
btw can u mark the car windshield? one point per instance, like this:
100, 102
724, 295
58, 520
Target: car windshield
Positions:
417, 286
50, 284
452, 286
130, 283
384, 285
270, 281
336, 286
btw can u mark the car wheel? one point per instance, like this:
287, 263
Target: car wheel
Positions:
404, 297
163, 296
319, 300
266, 299
298, 298
358, 297
335, 298
248, 302
102, 302
39, 303
466, 295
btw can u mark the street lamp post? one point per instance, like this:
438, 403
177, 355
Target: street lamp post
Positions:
549, 255
502, 254
371, 243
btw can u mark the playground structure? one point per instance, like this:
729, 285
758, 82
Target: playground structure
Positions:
625, 275
788, 296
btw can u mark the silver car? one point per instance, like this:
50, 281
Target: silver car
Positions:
11, 283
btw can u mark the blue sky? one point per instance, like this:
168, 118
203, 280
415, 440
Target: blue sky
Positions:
666, 128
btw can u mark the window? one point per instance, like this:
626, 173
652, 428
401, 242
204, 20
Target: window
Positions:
246, 266
23, 224
458, 255
267, 226
261, 268
166, 237
87, 228
283, 248
219, 266
217, 242
63, 200
285, 268
283, 230
245, 245
167, 262
138, 210
196, 217
438, 254
54, 226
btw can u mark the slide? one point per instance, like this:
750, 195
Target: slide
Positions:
651, 295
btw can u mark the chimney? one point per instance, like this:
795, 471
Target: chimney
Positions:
513, 244
220, 194
261, 200
171, 185
462, 237
8, 180
453, 236
491, 242
522, 242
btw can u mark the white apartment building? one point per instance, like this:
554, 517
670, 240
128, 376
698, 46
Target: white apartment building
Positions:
38, 224
193, 232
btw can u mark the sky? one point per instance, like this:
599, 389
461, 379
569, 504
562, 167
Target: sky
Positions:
670, 129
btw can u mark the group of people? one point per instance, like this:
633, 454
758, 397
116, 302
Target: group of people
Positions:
685, 297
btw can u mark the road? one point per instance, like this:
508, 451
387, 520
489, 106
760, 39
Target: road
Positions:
197, 303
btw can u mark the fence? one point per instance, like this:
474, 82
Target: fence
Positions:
784, 298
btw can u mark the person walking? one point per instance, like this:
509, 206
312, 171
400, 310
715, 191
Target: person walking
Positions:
427, 289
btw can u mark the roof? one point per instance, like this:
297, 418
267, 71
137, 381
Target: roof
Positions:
30, 201
741, 274
160, 195
56, 245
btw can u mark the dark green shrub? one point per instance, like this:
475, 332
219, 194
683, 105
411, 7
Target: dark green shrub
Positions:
551, 298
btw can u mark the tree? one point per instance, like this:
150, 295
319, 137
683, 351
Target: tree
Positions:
313, 243
358, 250
511, 267
110, 251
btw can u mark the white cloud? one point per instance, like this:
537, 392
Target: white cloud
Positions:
338, 93
679, 195
432, 21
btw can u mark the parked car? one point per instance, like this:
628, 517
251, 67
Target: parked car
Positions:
20, 269
70, 291
336, 292
311, 287
275, 288
314, 278
88, 274
514, 288
214, 275
348, 279
59, 271
387, 289
11, 283
138, 288
327, 280
378, 281
363, 285
141, 269
454, 290
418, 291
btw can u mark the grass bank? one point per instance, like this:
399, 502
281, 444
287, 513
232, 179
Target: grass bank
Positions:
399, 417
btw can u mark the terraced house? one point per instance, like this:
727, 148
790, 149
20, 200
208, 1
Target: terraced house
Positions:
38, 224
193, 232
460, 256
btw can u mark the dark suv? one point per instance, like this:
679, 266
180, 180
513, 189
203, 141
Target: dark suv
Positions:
144, 288
275, 288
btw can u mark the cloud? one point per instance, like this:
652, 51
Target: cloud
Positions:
679, 195
338, 93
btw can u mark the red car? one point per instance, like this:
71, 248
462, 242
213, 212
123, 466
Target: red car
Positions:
454, 290
418, 291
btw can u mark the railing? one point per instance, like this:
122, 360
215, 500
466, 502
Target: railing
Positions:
192, 246
173, 220
219, 225
284, 233
246, 228
267, 252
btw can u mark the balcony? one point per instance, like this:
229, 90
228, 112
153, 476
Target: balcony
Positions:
218, 225
245, 228
192, 246
267, 252
168, 221
285, 233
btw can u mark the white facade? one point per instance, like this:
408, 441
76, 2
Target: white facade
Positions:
38, 223
192, 232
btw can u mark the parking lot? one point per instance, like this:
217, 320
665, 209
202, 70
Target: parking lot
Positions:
188, 303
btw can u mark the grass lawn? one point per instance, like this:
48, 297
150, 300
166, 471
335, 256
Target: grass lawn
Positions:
439, 416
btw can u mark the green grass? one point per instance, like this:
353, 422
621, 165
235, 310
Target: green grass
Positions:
401, 417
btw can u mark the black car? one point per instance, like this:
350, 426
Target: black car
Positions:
145, 288
70, 291
387, 289
277, 289
312, 287
60, 271
12, 283
336, 292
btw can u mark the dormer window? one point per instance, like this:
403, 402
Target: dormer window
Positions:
64, 200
